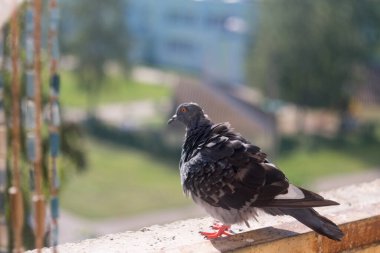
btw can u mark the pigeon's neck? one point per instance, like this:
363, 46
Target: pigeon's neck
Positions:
200, 123
195, 136
198, 128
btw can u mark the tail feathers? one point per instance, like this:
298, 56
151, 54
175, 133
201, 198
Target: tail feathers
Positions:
309, 217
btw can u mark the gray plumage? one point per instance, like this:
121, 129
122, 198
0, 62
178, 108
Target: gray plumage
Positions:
232, 178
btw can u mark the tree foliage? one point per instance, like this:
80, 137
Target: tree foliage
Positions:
306, 51
96, 34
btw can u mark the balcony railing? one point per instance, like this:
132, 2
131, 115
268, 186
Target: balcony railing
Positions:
358, 216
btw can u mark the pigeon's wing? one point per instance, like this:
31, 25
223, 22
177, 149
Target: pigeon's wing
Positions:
222, 133
226, 171
274, 193
229, 172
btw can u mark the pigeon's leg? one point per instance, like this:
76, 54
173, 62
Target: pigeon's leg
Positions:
220, 230
217, 225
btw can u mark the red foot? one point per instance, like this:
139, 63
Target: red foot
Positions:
221, 230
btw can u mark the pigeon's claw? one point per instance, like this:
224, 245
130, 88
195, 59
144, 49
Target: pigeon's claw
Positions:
220, 231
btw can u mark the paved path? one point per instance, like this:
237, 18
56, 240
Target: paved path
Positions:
131, 114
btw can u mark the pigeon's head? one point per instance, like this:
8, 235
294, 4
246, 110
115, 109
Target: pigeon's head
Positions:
190, 114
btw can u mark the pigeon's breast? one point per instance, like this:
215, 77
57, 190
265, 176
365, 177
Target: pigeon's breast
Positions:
227, 216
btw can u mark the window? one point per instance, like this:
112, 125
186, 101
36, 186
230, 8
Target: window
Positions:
216, 21
180, 46
179, 17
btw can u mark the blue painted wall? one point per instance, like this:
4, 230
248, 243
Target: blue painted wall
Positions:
208, 38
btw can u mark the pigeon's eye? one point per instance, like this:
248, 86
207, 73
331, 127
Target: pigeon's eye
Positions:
183, 109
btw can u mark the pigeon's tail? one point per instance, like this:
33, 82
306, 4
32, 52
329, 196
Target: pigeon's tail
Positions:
309, 217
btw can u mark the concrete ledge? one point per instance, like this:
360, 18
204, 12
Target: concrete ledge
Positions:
358, 216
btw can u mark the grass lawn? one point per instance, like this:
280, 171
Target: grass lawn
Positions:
302, 167
305, 165
122, 182
117, 89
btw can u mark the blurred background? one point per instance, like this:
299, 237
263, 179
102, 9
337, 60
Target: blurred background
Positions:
300, 78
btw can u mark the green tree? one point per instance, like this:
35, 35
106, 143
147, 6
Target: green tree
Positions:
307, 52
97, 36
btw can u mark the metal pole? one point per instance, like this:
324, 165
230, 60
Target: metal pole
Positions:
17, 208
3, 160
38, 197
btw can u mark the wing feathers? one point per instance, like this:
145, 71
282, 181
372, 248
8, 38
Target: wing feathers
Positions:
294, 203
293, 192
296, 197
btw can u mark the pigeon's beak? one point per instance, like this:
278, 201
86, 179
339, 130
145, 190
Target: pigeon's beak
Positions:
172, 119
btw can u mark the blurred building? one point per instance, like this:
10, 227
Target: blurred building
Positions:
208, 38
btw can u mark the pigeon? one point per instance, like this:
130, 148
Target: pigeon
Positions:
232, 179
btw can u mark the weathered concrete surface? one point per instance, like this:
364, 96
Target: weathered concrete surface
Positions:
74, 228
358, 215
